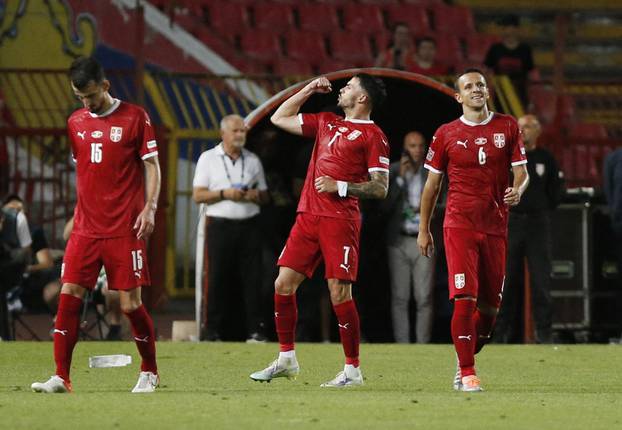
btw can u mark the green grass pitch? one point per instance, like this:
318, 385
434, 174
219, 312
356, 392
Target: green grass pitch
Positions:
206, 386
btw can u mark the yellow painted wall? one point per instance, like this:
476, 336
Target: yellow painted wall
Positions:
43, 35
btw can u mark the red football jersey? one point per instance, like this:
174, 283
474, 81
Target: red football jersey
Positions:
346, 150
477, 159
109, 150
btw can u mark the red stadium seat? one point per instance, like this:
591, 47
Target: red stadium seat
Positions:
448, 49
583, 130
288, 66
318, 17
477, 45
260, 45
228, 18
273, 16
416, 16
544, 102
351, 47
457, 20
332, 65
305, 45
363, 18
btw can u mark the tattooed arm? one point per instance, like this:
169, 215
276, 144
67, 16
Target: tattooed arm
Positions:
376, 188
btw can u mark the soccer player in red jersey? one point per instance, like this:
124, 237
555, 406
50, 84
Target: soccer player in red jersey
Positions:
350, 161
477, 152
113, 146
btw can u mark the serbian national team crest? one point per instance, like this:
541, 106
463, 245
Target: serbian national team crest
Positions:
499, 139
116, 133
459, 280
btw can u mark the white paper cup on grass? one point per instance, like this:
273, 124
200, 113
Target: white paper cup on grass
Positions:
115, 360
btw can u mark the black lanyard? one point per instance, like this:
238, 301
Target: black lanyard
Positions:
224, 163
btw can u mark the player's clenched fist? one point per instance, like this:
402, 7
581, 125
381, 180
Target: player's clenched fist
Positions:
319, 85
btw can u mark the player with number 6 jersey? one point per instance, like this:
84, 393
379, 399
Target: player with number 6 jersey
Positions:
350, 161
476, 152
118, 183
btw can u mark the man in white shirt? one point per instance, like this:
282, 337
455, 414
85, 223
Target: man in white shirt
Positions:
230, 180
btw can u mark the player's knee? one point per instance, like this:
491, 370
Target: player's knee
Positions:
283, 287
73, 290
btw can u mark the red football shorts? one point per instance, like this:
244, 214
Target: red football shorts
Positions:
315, 237
476, 264
124, 258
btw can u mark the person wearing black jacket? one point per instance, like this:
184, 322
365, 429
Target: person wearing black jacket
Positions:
529, 236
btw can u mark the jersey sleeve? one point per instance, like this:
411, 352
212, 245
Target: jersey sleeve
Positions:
310, 123
146, 137
517, 148
378, 153
436, 158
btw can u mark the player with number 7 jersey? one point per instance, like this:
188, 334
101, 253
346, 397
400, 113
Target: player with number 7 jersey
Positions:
350, 161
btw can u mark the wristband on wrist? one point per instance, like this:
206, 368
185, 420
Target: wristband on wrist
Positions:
342, 188
222, 194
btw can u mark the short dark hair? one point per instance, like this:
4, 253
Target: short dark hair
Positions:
11, 197
424, 39
374, 87
464, 72
84, 70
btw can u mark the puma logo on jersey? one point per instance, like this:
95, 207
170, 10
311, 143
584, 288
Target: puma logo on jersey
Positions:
144, 339
465, 337
137, 274
63, 332
330, 126
276, 315
385, 142
459, 142
81, 134
344, 326
345, 267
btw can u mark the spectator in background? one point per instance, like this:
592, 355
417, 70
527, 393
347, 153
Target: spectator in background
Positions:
410, 271
41, 284
15, 241
529, 236
513, 58
401, 54
230, 180
425, 59
612, 185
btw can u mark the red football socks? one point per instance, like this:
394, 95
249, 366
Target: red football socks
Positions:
483, 326
66, 330
144, 336
464, 335
349, 330
285, 318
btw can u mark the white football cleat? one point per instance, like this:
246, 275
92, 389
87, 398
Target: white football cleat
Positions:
55, 384
279, 368
349, 377
471, 383
147, 383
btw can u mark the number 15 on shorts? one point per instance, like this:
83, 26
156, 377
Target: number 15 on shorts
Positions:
137, 262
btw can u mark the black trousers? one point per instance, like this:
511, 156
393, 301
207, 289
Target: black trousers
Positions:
529, 235
234, 266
